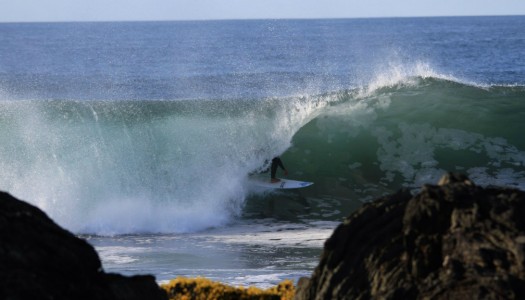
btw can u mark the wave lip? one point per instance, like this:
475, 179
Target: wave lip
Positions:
409, 75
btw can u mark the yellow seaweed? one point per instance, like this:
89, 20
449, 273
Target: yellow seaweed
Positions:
200, 288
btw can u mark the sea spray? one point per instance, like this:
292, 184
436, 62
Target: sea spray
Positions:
143, 166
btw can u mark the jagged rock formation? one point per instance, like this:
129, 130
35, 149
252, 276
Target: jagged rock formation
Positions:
450, 241
40, 260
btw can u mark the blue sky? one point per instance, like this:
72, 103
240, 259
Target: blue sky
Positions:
129, 10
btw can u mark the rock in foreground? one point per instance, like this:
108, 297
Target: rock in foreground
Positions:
40, 260
451, 241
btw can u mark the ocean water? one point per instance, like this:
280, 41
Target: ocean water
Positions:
139, 136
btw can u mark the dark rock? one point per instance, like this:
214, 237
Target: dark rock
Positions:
40, 260
451, 241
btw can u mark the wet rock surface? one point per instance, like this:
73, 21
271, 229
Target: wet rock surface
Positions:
450, 241
40, 260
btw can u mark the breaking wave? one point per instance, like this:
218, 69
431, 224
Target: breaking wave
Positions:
111, 167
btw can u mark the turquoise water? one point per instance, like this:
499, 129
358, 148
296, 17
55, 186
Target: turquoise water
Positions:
139, 136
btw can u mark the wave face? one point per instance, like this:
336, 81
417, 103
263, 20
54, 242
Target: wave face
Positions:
111, 167
410, 133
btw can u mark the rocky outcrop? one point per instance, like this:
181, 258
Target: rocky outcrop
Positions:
454, 240
40, 260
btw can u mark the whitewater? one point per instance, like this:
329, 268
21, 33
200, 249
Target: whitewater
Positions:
140, 137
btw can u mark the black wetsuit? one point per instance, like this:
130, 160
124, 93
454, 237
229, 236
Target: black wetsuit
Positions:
276, 162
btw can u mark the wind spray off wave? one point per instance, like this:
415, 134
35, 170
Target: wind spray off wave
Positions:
177, 166
142, 166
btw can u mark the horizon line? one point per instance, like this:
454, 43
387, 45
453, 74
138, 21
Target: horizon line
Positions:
257, 19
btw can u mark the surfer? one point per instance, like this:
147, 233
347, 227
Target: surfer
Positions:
276, 162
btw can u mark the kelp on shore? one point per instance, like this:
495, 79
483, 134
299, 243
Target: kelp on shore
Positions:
183, 288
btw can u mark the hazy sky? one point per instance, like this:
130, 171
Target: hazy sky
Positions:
117, 10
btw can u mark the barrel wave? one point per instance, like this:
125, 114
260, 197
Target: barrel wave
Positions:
113, 167
375, 141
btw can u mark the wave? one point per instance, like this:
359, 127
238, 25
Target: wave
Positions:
112, 167
141, 166
409, 135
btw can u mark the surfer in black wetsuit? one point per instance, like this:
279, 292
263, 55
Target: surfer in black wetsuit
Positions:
276, 162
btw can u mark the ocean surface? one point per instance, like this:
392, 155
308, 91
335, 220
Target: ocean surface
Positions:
139, 136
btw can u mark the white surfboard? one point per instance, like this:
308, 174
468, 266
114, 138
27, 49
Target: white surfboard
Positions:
282, 184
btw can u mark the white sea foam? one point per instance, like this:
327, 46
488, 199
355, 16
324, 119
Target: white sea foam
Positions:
277, 235
412, 154
118, 254
114, 168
